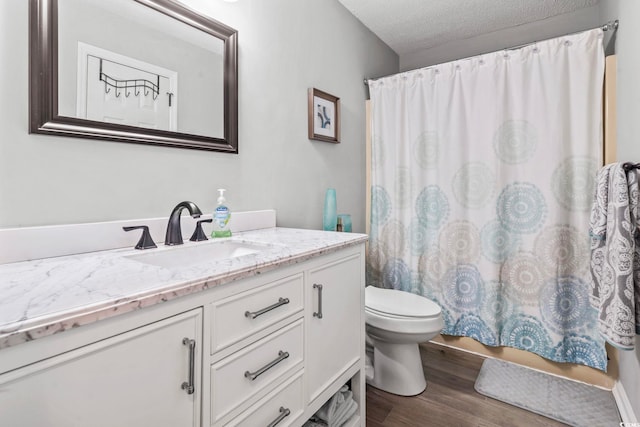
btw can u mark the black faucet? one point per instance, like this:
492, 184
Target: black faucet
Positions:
174, 231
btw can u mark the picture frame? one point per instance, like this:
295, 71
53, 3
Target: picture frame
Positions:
324, 116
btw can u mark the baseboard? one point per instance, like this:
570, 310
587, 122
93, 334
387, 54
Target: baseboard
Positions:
624, 405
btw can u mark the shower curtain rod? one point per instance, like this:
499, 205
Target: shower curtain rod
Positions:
609, 26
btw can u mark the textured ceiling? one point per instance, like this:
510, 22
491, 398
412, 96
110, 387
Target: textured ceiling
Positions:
409, 26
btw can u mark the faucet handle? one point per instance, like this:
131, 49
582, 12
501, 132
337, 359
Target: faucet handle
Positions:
198, 234
145, 242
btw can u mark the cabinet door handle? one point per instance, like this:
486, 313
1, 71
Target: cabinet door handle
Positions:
284, 413
254, 314
189, 386
253, 375
318, 313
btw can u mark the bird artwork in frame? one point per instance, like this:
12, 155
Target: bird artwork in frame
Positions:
324, 116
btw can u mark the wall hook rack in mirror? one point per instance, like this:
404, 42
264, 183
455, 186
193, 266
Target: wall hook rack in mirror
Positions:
110, 82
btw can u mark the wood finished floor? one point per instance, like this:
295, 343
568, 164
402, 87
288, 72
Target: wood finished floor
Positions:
449, 400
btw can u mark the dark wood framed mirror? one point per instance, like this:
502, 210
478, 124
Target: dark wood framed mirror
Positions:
141, 71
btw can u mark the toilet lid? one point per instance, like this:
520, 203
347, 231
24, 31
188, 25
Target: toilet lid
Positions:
399, 303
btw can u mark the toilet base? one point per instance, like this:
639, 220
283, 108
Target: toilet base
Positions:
397, 368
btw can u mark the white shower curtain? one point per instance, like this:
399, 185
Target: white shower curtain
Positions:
482, 182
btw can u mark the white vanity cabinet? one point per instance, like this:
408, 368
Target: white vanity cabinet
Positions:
130, 380
270, 349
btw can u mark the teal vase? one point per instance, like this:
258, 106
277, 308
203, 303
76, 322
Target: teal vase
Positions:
330, 213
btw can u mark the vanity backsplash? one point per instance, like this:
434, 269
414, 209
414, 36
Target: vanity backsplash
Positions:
31, 243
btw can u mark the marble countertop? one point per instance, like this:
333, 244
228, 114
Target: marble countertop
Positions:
43, 297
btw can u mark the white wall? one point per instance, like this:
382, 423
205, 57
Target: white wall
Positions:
285, 47
628, 107
579, 20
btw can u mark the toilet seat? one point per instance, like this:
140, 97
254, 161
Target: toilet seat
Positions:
399, 304
395, 316
403, 325
401, 312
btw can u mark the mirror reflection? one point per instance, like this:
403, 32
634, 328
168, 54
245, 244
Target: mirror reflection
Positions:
122, 62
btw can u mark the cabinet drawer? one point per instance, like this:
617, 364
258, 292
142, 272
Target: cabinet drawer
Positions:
237, 317
255, 369
288, 397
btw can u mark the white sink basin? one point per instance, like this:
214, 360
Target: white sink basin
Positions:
199, 253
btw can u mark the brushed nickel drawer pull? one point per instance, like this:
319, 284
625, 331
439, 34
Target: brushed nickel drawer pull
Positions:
318, 313
189, 386
253, 375
284, 413
254, 314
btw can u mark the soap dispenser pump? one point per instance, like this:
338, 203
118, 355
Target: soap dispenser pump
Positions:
221, 217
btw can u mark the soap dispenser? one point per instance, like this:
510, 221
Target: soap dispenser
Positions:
221, 217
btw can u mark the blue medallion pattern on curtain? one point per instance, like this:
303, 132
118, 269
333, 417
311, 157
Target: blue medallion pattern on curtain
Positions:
482, 182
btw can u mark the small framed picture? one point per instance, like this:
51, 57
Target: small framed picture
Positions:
324, 116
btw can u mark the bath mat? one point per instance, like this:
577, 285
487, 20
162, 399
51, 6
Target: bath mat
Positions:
567, 401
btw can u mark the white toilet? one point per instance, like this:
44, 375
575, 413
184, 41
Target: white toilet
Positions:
396, 323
